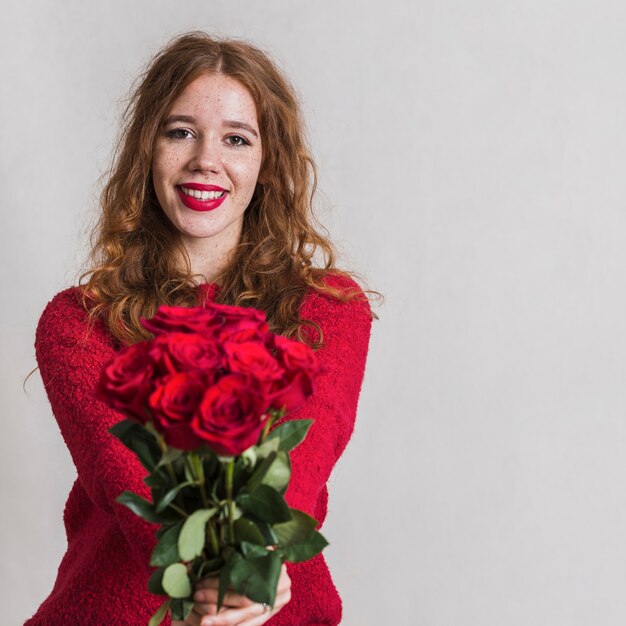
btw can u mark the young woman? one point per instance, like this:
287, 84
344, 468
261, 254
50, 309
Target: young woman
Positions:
209, 197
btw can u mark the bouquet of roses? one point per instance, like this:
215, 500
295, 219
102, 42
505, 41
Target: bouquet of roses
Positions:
203, 399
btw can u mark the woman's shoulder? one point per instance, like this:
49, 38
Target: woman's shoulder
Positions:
343, 305
67, 302
342, 281
65, 318
339, 290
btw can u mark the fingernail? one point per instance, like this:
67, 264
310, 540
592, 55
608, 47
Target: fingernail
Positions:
207, 622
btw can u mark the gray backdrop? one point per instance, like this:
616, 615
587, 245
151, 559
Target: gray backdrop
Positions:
472, 158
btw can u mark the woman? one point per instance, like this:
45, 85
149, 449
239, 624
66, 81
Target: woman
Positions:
209, 197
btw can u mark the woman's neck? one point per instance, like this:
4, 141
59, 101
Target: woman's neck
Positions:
210, 256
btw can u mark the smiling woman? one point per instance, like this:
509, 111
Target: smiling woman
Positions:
205, 168
209, 198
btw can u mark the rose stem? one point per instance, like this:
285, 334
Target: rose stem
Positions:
230, 468
205, 499
215, 548
172, 474
178, 509
274, 416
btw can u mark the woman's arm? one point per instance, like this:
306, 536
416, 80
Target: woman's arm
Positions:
346, 330
70, 357
346, 327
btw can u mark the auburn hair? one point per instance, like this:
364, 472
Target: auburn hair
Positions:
136, 251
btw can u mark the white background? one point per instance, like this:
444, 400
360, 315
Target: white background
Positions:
472, 159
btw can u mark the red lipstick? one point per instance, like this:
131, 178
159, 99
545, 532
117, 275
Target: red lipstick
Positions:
197, 204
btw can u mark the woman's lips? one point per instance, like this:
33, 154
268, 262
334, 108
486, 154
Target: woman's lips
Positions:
198, 204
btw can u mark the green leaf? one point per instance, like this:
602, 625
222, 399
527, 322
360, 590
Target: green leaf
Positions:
259, 473
246, 530
187, 607
279, 472
212, 567
257, 577
269, 445
160, 613
298, 540
176, 609
252, 551
193, 534
248, 457
123, 430
267, 532
225, 581
305, 549
157, 480
266, 504
168, 498
180, 608
176, 582
170, 455
290, 433
274, 471
139, 506
155, 582
300, 524
143, 443
166, 550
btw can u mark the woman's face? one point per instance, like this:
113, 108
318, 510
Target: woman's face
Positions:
206, 160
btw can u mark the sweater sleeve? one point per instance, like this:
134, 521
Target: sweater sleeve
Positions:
71, 355
346, 331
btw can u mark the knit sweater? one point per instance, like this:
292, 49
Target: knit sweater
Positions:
103, 575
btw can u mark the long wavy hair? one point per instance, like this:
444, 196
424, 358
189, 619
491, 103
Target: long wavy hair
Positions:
136, 251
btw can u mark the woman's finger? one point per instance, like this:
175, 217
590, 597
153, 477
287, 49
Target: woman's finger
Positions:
202, 609
234, 617
208, 583
250, 616
231, 599
284, 582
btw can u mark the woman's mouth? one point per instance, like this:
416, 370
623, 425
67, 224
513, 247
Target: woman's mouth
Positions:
201, 199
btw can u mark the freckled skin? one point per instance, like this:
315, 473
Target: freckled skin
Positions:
210, 152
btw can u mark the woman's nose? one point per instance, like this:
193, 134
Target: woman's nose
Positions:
206, 156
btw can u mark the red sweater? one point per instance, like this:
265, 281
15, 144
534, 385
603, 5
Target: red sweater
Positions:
102, 577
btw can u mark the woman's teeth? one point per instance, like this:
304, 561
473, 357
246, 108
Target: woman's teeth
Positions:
203, 195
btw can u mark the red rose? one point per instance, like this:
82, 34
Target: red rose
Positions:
231, 415
291, 393
294, 355
173, 403
252, 358
221, 320
300, 365
125, 382
182, 352
235, 323
228, 314
178, 319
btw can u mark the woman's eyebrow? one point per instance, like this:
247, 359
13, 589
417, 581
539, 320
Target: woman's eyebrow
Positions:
190, 119
243, 125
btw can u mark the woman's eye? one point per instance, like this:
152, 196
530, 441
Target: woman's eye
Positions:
178, 133
237, 140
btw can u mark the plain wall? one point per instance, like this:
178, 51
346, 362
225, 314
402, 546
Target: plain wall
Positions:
472, 158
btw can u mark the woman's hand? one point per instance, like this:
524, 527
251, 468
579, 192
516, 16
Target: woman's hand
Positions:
237, 610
